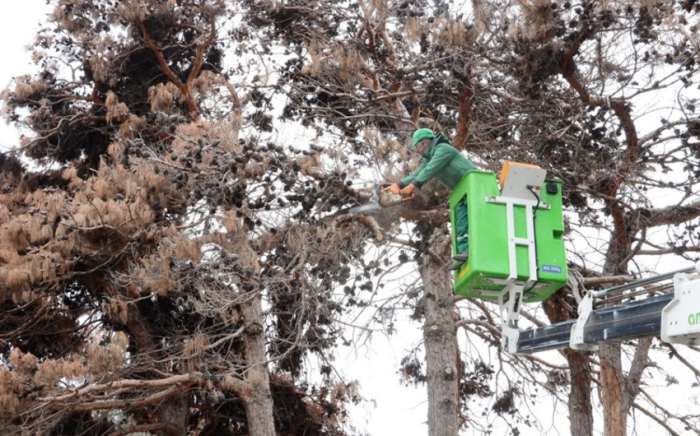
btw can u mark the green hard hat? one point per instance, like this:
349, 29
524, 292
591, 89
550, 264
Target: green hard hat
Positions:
422, 134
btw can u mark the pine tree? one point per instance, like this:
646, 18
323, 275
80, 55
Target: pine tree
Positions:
162, 270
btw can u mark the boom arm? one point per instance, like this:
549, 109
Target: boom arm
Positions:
673, 316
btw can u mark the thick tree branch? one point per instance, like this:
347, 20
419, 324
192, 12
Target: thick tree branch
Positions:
161, 59
122, 384
466, 102
183, 380
673, 250
435, 216
366, 221
662, 422
669, 125
621, 245
634, 377
675, 214
196, 66
199, 57
89, 406
147, 428
683, 360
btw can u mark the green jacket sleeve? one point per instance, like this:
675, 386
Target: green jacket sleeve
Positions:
408, 179
442, 155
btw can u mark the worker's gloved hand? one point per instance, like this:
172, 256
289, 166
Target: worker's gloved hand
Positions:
408, 190
393, 188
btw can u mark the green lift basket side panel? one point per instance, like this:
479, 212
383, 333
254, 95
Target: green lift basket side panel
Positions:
488, 265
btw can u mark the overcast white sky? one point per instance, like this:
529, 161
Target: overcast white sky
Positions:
18, 24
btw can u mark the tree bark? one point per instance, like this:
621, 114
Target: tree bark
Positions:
173, 412
619, 391
258, 400
612, 379
580, 406
441, 349
612, 385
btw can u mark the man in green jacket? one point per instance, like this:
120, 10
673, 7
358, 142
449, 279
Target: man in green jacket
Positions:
443, 162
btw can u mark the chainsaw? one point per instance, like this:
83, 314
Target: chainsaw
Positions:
385, 199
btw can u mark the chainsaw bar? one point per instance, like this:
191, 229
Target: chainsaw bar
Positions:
365, 208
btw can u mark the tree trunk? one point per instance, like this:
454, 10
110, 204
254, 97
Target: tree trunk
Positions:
611, 386
258, 401
618, 391
580, 406
259, 410
441, 349
173, 413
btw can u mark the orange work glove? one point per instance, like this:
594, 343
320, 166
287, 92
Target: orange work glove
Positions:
393, 188
408, 190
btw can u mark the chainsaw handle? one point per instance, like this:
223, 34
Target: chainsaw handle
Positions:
387, 187
387, 198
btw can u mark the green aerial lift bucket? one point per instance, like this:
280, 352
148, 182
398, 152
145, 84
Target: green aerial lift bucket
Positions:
488, 270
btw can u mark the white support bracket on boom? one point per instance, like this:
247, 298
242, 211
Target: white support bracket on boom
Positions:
509, 301
577, 338
680, 319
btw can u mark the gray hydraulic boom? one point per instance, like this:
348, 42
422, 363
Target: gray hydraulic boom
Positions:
647, 307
